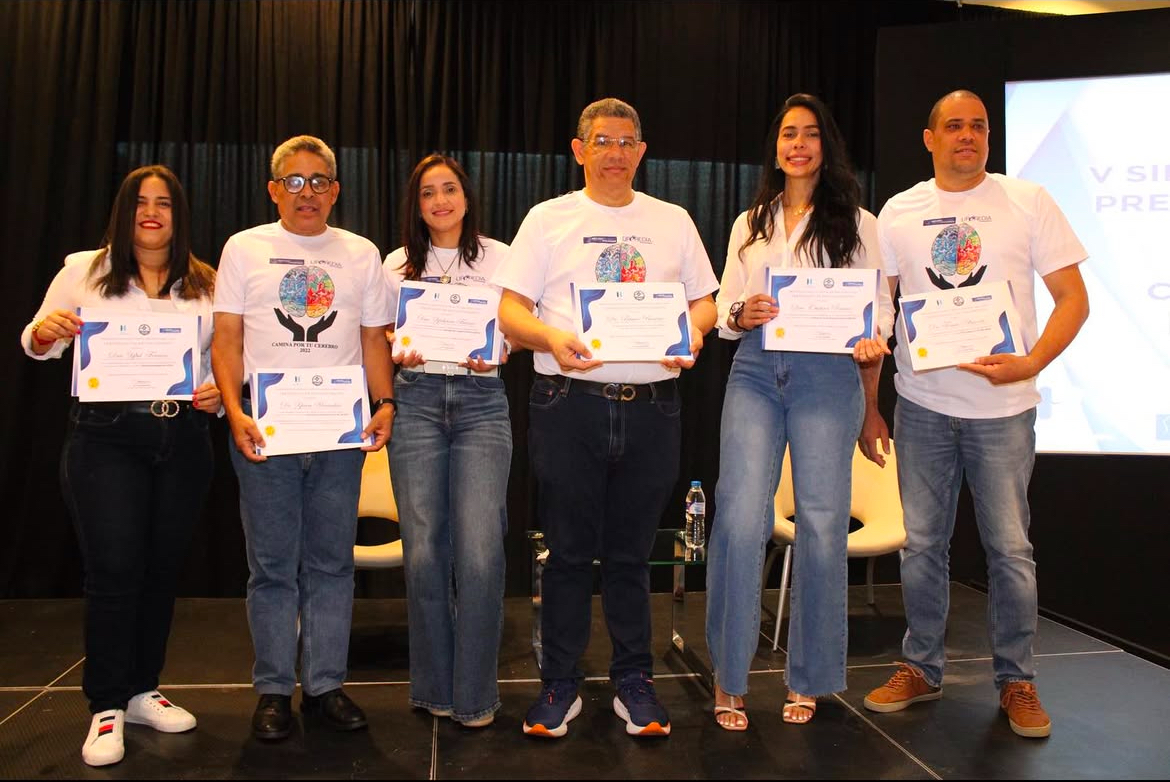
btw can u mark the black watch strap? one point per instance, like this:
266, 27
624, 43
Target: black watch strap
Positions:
736, 311
386, 400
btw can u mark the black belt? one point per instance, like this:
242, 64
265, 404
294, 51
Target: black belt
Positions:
159, 408
621, 392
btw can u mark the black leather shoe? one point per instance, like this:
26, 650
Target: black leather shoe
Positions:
335, 708
272, 720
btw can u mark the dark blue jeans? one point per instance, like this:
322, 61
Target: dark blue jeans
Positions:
604, 471
135, 486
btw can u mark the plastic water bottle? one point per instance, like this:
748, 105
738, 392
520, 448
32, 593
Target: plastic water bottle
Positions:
695, 535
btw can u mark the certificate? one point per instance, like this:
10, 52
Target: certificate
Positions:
821, 310
449, 322
633, 321
135, 356
305, 410
950, 327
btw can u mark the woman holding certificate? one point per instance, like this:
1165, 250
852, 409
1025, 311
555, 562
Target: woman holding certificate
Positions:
452, 445
134, 473
805, 215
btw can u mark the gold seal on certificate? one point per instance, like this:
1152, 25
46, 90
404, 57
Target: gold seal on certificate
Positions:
821, 310
959, 325
448, 322
135, 356
633, 321
304, 410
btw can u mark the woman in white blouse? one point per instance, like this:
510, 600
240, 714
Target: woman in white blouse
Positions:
805, 214
134, 474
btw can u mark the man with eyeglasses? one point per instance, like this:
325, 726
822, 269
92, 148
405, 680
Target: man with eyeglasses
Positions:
299, 293
605, 438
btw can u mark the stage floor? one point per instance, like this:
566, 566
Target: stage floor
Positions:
1110, 710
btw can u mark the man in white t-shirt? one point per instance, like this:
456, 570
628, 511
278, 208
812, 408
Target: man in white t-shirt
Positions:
960, 229
604, 438
291, 294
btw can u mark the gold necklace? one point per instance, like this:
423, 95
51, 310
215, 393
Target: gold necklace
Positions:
799, 211
446, 278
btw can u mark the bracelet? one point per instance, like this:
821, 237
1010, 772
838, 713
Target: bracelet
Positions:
386, 400
40, 341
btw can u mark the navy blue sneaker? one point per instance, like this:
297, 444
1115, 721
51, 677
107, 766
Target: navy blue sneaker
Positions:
557, 705
637, 704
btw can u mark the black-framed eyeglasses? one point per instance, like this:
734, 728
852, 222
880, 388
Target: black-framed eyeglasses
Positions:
295, 183
622, 143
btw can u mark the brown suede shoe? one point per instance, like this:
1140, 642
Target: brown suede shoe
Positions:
905, 687
1025, 714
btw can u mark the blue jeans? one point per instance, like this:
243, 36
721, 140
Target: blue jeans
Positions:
135, 486
450, 457
996, 454
300, 522
604, 470
812, 403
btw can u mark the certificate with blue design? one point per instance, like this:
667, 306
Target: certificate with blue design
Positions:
135, 356
821, 310
959, 325
307, 410
448, 322
633, 321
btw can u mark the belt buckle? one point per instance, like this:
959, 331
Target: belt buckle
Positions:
164, 408
619, 391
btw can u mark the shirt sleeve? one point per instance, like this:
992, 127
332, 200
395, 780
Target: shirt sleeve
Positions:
376, 308
63, 294
697, 276
1054, 243
394, 270
734, 282
229, 281
870, 257
525, 267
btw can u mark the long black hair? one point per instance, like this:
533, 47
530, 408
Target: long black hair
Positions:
416, 237
832, 226
118, 245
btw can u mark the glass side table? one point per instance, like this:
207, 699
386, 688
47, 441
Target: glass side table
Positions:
669, 550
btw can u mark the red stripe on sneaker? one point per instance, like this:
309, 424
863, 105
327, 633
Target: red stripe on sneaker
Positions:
104, 729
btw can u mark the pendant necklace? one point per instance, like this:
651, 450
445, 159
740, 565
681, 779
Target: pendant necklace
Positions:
446, 278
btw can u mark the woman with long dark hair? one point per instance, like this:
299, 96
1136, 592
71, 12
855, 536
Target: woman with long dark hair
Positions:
805, 213
134, 474
449, 458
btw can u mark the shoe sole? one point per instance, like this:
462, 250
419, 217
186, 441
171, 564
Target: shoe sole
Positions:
162, 728
886, 708
543, 732
653, 729
99, 762
1041, 732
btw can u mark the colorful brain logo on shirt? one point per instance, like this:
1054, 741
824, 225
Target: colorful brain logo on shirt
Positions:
621, 262
307, 291
956, 250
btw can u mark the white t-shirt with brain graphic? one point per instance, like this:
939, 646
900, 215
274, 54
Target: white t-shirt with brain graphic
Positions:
304, 299
573, 239
935, 240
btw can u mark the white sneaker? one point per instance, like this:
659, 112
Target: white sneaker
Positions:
154, 709
104, 746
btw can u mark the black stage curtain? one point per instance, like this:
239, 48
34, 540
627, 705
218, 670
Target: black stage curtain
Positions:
90, 90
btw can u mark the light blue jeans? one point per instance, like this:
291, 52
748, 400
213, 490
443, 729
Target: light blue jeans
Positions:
300, 519
450, 457
996, 455
813, 403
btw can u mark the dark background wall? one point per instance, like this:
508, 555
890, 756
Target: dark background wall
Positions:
90, 90
1097, 521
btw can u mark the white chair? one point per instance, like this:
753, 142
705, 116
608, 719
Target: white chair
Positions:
377, 501
875, 503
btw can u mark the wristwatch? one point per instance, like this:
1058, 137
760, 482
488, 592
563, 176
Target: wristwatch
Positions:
736, 311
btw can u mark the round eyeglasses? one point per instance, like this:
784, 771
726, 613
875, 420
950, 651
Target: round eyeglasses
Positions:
295, 183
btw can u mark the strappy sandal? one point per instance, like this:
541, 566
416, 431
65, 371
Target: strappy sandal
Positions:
794, 702
737, 711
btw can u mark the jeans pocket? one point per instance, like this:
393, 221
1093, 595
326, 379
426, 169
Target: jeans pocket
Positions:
488, 383
95, 418
406, 377
670, 408
545, 394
